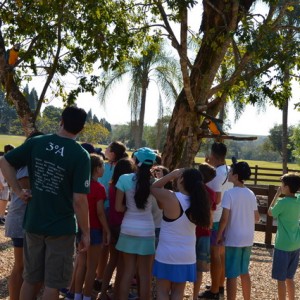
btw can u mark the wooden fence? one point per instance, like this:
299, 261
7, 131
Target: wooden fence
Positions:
265, 176
267, 226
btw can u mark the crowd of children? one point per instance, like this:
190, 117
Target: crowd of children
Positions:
147, 222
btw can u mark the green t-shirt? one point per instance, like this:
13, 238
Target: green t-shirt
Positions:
58, 167
287, 212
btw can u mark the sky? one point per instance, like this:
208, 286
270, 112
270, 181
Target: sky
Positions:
252, 121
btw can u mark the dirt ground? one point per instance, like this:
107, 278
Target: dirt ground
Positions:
263, 287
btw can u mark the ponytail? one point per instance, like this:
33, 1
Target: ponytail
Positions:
142, 190
199, 210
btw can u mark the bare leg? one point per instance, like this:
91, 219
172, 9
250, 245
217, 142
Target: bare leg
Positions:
222, 266
80, 272
16, 279
231, 288
246, 286
144, 275
112, 263
177, 290
290, 285
102, 262
29, 291
91, 265
120, 272
50, 294
130, 261
197, 285
281, 290
163, 287
215, 269
3, 204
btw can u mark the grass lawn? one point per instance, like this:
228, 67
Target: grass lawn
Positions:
14, 140
18, 140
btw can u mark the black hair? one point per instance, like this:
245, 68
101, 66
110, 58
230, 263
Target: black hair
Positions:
8, 148
158, 159
292, 180
88, 147
207, 171
119, 149
73, 119
242, 169
123, 166
165, 171
142, 190
96, 161
199, 210
219, 150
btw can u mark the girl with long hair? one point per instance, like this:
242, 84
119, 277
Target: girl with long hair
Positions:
137, 236
123, 166
175, 258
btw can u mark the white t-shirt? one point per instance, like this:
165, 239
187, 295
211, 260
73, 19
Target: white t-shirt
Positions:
2, 179
220, 184
242, 203
136, 222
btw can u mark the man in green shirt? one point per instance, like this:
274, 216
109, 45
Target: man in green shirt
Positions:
59, 172
287, 241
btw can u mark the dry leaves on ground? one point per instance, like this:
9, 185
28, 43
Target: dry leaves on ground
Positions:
263, 287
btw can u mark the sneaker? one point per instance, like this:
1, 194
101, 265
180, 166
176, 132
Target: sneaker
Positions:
132, 296
208, 295
97, 285
69, 296
63, 292
221, 289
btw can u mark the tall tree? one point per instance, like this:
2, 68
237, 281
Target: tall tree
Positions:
59, 38
231, 31
155, 65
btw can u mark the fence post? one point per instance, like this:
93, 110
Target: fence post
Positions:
269, 221
255, 175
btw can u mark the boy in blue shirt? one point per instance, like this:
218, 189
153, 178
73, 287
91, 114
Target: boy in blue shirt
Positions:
287, 242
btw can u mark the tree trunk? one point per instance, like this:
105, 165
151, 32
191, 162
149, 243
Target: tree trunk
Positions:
142, 113
13, 94
285, 136
183, 139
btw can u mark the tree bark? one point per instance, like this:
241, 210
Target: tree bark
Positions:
142, 113
220, 19
285, 136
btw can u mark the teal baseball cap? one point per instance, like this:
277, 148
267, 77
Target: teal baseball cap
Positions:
145, 156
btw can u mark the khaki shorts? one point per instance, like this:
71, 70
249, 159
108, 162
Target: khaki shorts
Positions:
48, 259
4, 194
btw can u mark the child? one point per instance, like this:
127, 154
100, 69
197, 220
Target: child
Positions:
175, 259
219, 185
4, 190
123, 166
137, 237
208, 173
99, 233
287, 242
113, 153
238, 220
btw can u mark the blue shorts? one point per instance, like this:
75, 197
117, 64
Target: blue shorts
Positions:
203, 253
174, 273
285, 264
237, 261
17, 242
96, 236
213, 235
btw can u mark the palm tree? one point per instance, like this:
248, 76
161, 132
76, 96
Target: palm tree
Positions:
156, 66
291, 20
